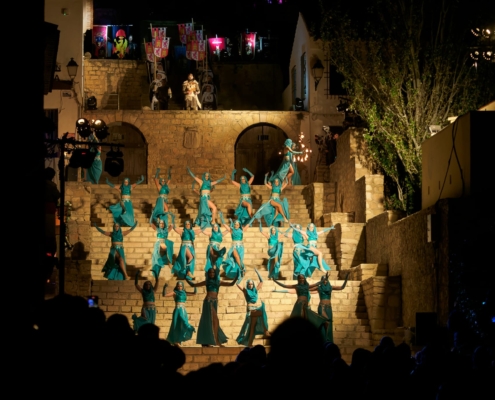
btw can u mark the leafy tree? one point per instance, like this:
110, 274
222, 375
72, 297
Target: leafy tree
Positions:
406, 66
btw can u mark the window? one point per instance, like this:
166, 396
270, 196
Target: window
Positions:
294, 84
304, 78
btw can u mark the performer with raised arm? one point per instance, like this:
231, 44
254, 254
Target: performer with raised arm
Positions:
274, 210
148, 310
93, 173
275, 251
186, 259
256, 321
122, 212
180, 328
324, 290
207, 212
312, 236
301, 255
163, 250
209, 331
234, 262
244, 210
161, 206
115, 266
286, 169
215, 253
302, 307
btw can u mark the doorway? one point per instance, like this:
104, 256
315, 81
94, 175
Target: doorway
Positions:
258, 148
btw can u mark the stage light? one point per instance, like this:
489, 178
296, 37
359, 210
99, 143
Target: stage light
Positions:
299, 106
82, 158
114, 163
91, 103
83, 128
100, 128
476, 31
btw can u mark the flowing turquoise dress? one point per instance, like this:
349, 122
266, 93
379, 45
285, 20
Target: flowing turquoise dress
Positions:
159, 260
267, 211
180, 328
302, 308
93, 173
216, 239
251, 296
275, 251
301, 256
111, 270
313, 242
296, 178
206, 335
284, 167
241, 212
325, 311
148, 313
159, 209
181, 268
230, 265
204, 213
123, 216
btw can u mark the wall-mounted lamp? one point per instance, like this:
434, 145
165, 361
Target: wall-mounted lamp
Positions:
72, 69
317, 72
434, 129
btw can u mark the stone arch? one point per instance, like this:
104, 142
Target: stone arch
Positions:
135, 151
257, 148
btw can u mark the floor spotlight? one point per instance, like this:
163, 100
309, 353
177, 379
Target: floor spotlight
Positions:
114, 163
82, 158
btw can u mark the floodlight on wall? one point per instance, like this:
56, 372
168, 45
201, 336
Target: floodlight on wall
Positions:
317, 69
100, 129
83, 128
299, 106
434, 129
91, 103
72, 69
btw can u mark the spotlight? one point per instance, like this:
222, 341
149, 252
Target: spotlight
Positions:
486, 33
101, 129
476, 31
83, 128
488, 55
114, 163
475, 55
82, 158
91, 103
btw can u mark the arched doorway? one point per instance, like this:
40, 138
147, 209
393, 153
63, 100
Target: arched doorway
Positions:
257, 149
135, 152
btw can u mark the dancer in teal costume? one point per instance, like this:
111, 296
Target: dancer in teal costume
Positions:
209, 331
256, 321
244, 210
161, 206
286, 169
122, 212
180, 328
207, 212
296, 178
163, 249
275, 252
115, 266
302, 307
301, 254
148, 310
312, 236
214, 253
93, 173
234, 262
274, 210
186, 259
324, 290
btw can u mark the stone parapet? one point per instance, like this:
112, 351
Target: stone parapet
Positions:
383, 302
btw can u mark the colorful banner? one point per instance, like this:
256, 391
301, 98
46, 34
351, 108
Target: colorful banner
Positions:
195, 50
100, 41
249, 44
184, 31
150, 54
158, 32
199, 34
216, 46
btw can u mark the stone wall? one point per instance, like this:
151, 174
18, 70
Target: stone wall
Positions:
402, 244
357, 189
128, 78
202, 140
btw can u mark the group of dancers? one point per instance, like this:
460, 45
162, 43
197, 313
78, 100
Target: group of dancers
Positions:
307, 257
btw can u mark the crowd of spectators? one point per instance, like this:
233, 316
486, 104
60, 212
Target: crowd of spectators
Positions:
73, 350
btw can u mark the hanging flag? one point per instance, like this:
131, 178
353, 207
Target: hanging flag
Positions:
100, 41
201, 50
184, 31
158, 32
192, 50
165, 46
149, 52
161, 47
199, 34
216, 46
192, 37
249, 44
